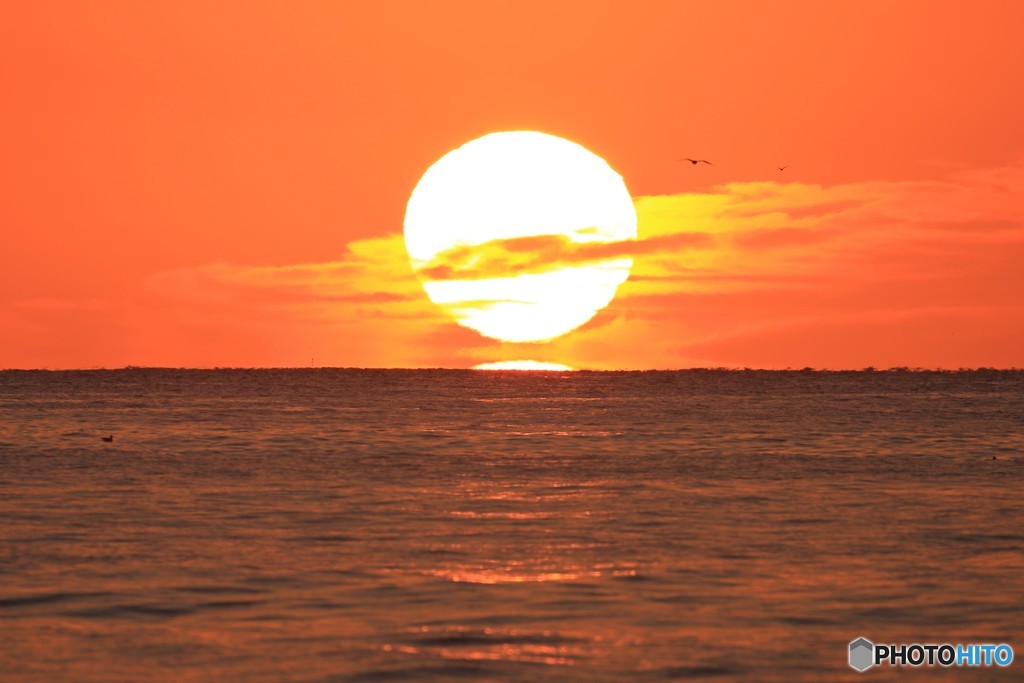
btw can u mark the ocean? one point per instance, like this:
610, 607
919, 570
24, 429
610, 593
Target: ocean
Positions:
443, 525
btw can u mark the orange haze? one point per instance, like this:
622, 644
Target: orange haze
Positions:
203, 184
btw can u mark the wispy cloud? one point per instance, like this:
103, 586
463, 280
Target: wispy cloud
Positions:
753, 274
544, 253
879, 264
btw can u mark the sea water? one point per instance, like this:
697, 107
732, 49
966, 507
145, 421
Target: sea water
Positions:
387, 525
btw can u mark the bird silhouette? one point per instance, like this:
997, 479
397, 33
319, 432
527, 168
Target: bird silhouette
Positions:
783, 168
108, 439
697, 161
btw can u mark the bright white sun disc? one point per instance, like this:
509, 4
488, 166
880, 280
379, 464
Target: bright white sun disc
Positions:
520, 235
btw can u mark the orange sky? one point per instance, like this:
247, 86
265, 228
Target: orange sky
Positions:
223, 184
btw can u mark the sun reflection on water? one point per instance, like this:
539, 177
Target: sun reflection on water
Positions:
524, 365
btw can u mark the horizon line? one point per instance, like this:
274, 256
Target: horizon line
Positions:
806, 369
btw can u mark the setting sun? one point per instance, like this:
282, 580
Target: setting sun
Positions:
510, 233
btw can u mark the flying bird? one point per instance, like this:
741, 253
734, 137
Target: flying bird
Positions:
783, 168
697, 161
108, 439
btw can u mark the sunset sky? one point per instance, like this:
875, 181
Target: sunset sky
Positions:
224, 184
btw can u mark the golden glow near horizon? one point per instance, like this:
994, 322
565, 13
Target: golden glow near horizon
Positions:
524, 365
505, 233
